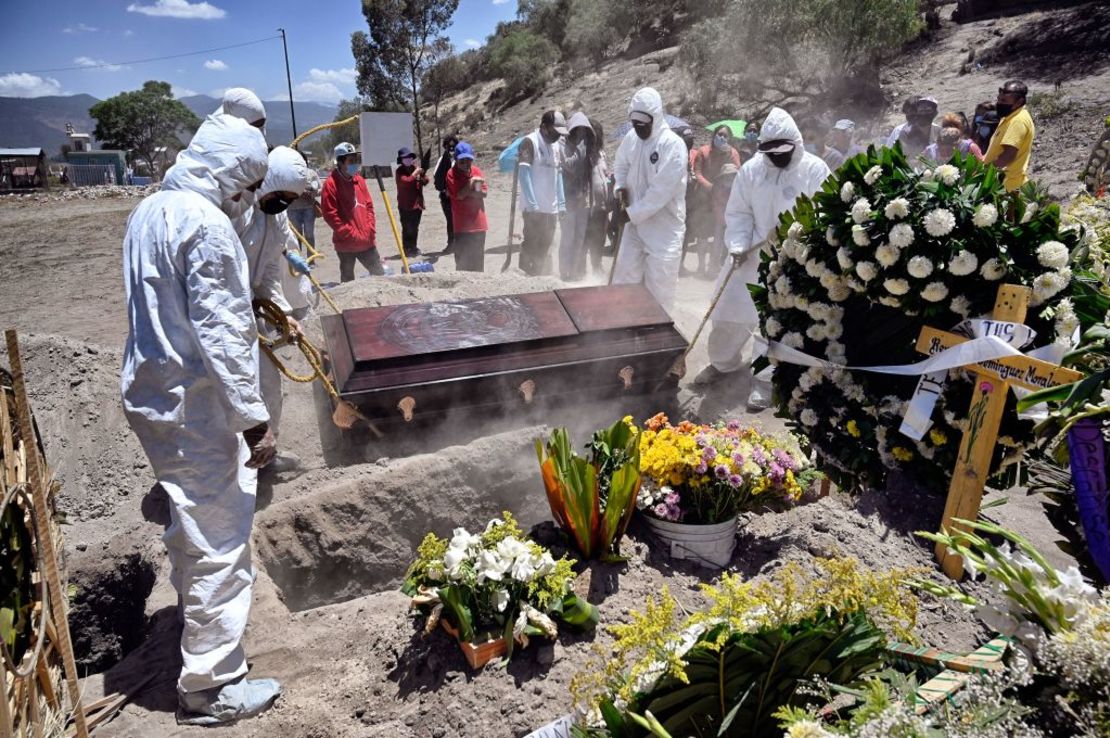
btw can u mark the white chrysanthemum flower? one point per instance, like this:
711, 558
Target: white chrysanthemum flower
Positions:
795, 230
818, 310
859, 236
985, 216
993, 269
1066, 321
830, 236
782, 285
897, 208
815, 268
920, 267
839, 292
801, 252
816, 332
1052, 254
789, 247
829, 279
847, 192
773, 327
793, 339
890, 301
901, 235
861, 210
1047, 285
844, 259
834, 331
963, 263
960, 305
866, 270
806, 382
927, 175
948, 174
873, 175
887, 255
939, 222
809, 417
896, 286
807, 729
934, 292
855, 285
1030, 211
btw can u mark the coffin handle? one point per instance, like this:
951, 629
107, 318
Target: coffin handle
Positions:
626, 376
527, 389
406, 406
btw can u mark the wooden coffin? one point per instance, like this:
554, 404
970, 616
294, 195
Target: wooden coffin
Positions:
412, 361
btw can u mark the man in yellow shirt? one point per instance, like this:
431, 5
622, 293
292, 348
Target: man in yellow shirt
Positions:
1013, 141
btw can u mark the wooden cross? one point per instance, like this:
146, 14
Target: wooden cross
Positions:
992, 383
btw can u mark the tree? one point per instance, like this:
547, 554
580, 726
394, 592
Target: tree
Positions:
444, 77
348, 132
142, 120
594, 29
404, 42
524, 60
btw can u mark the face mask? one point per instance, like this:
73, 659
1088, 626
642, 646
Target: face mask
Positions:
352, 169
235, 208
782, 161
720, 143
1003, 109
985, 131
274, 205
643, 130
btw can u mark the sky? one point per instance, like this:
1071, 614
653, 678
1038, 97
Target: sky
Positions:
65, 47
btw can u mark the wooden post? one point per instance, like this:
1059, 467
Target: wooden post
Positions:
45, 536
992, 385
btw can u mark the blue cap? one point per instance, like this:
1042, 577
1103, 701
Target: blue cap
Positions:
463, 150
405, 152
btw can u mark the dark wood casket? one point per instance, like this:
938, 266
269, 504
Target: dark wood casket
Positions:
412, 361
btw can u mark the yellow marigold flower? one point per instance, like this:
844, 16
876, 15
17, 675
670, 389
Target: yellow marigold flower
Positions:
938, 437
853, 429
902, 454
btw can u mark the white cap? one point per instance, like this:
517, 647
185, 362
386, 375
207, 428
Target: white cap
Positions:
345, 149
845, 124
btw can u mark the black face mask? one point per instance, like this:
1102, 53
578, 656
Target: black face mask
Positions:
274, 205
643, 130
1003, 109
782, 161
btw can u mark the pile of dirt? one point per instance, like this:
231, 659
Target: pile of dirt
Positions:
70, 194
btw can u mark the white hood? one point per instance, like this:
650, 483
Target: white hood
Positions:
242, 103
225, 157
647, 100
779, 125
287, 172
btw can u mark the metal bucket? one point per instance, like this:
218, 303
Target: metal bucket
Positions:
707, 545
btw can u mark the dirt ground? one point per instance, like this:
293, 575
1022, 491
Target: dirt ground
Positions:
333, 538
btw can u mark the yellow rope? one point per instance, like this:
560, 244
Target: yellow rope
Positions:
313, 255
322, 127
274, 317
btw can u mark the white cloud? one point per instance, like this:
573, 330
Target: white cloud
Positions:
473, 43
179, 9
323, 92
215, 65
90, 63
80, 28
180, 92
500, 2
21, 84
128, 33
338, 76
218, 93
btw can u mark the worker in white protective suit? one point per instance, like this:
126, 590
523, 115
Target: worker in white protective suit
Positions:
768, 185
264, 232
650, 176
242, 103
191, 394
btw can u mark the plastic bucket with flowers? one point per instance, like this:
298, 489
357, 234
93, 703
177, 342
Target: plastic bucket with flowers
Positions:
698, 479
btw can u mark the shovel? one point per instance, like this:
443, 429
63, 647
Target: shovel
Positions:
620, 235
392, 222
512, 220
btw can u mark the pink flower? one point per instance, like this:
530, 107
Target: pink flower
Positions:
986, 387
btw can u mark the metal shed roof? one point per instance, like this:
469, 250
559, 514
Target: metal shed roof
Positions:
20, 152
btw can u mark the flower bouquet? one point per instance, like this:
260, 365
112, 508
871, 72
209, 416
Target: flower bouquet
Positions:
699, 478
879, 252
493, 589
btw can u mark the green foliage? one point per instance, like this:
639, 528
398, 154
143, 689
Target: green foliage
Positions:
1049, 105
16, 588
593, 499
524, 60
594, 30
348, 132
142, 120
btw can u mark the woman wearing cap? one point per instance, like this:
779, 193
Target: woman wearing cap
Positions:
707, 163
467, 189
348, 209
410, 198
953, 127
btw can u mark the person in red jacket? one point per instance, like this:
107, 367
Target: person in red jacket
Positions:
410, 179
346, 206
467, 189
706, 163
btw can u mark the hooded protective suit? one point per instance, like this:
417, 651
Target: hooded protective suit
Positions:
760, 193
265, 238
653, 172
190, 385
242, 103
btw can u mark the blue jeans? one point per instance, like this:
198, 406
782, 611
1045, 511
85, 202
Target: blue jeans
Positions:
304, 220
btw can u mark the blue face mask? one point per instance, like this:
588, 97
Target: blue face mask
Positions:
720, 142
985, 131
352, 169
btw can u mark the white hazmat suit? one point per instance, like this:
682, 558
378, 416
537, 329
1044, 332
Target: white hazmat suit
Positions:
242, 103
265, 238
190, 385
760, 193
653, 172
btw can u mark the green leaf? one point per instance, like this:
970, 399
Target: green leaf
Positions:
454, 603
578, 612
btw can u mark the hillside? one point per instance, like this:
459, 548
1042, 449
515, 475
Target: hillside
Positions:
1068, 119
41, 121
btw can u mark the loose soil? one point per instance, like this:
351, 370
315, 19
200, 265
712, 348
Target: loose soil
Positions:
333, 538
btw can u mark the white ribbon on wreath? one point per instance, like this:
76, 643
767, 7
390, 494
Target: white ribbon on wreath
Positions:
989, 340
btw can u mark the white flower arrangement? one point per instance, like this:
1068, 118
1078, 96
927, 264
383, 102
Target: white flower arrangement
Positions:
861, 210
782, 285
960, 305
830, 237
993, 270
848, 192
809, 417
1066, 322
795, 232
934, 292
817, 332
887, 255
947, 174
897, 209
896, 286
873, 174
920, 267
963, 263
859, 236
901, 235
939, 222
794, 340
1050, 284
985, 216
866, 270
773, 327
844, 259
1052, 254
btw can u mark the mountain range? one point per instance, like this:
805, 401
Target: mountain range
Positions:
41, 121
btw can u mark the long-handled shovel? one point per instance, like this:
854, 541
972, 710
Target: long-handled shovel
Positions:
620, 236
392, 221
512, 220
